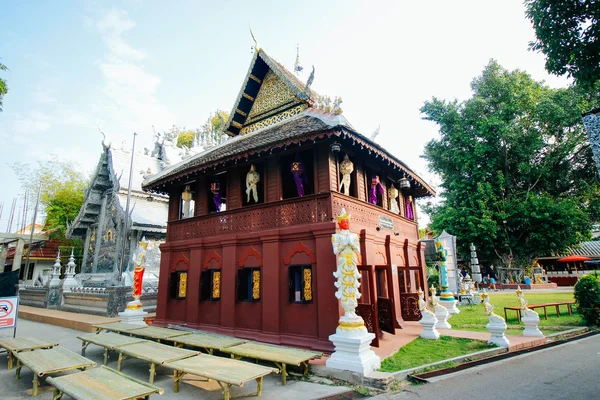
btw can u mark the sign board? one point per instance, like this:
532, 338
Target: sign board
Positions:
8, 312
386, 222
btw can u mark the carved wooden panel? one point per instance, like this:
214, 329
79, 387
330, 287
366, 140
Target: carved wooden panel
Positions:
300, 211
409, 304
368, 314
385, 315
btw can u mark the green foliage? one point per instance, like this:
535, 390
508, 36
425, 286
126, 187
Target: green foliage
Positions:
63, 186
433, 279
568, 35
3, 87
518, 176
423, 351
186, 138
587, 296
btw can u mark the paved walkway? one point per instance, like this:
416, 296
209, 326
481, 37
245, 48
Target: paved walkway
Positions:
272, 389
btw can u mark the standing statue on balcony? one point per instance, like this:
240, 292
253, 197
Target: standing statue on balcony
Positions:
376, 188
409, 208
393, 200
252, 179
346, 168
215, 188
297, 170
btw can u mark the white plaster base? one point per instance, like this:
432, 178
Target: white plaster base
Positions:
353, 352
135, 317
450, 305
497, 330
531, 322
442, 315
429, 321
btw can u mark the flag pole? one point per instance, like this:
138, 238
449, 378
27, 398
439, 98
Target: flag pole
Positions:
126, 228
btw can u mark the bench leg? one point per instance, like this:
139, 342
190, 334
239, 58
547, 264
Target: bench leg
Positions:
18, 372
10, 360
84, 346
259, 384
152, 373
211, 351
57, 395
36, 384
545, 313
505, 316
120, 362
106, 356
557, 311
569, 308
306, 368
283, 374
225, 387
177, 376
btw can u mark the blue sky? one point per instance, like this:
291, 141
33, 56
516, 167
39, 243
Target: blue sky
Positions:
127, 65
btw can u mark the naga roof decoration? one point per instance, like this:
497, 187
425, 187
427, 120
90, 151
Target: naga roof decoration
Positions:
273, 110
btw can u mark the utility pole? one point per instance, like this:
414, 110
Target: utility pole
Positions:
37, 202
126, 228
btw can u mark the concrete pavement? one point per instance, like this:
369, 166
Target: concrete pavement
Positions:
272, 388
568, 371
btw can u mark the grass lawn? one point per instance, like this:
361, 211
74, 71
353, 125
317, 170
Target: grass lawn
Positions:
423, 351
473, 318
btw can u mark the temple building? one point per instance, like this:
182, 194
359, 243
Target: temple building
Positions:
100, 223
248, 251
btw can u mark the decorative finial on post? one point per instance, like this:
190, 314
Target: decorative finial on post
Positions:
297, 67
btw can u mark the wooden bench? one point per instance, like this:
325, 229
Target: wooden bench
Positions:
109, 341
50, 361
542, 305
154, 353
119, 327
157, 333
206, 341
279, 355
15, 345
225, 371
101, 384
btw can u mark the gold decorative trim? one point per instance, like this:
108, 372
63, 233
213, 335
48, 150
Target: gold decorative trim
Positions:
255, 79
236, 124
274, 119
182, 290
307, 284
248, 96
133, 306
352, 326
256, 285
216, 285
230, 133
243, 114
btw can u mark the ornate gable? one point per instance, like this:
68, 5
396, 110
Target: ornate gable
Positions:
269, 94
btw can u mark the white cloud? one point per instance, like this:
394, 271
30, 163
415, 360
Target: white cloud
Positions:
33, 122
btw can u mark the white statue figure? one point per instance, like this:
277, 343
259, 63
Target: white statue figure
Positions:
346, 247
187, 196
351, 338
530, 318
393, 200
441, 313
346, 168
496, 324
428, 319
252, 178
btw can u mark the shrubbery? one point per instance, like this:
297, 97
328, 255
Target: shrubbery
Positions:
587, 296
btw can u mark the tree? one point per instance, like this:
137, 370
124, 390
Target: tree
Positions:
63, 186
518, 176
210, 134
568, 34
185, 138
3, 87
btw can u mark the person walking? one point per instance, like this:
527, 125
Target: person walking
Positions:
492, 277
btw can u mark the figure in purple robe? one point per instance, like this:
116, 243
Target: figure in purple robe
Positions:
376, 187
409, 208
297, 169
215, 189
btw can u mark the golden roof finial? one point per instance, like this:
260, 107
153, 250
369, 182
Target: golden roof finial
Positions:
256, 46
343, 215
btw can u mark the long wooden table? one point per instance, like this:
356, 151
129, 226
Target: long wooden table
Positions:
50, 361
15, 345
120, 327
568, 303
154, 353
226, 372
206, 341
279, 355
158, 333
109, 341
101, 384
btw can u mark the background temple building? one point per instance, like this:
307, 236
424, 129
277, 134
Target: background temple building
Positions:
101, 220
254, 259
